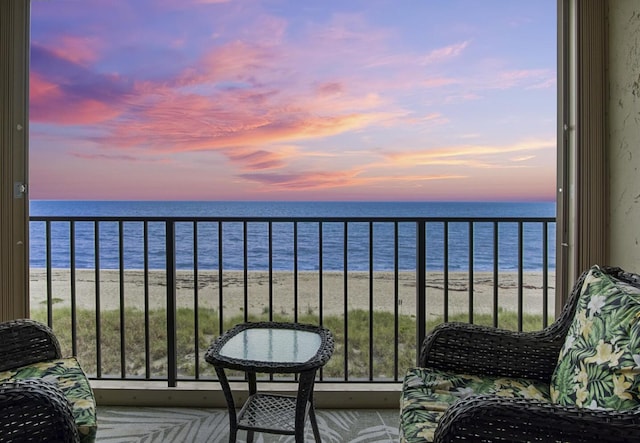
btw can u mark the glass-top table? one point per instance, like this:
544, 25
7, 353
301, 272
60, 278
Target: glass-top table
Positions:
272, 347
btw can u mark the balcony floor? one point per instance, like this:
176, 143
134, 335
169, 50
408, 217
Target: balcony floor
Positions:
155, 424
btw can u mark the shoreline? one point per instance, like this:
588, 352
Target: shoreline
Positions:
358, 286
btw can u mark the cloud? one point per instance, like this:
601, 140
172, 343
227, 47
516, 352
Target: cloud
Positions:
523, 158
187, 4
470, 155
318, 181
433, 59
65, 92
438, 82
302, 181
330, 89
253, 82
49, 102
440, 55
257, 160
120, 157
523, 77
78, 50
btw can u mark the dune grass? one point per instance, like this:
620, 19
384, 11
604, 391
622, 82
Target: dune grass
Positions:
193, 341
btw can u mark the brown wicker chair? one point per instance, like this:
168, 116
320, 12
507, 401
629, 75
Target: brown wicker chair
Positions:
35, 411
35, 408
485, 351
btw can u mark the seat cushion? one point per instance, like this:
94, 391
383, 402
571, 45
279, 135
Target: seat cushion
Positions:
71, 379
428, 393
599, 364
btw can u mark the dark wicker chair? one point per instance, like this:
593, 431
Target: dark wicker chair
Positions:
33, 410
482, 351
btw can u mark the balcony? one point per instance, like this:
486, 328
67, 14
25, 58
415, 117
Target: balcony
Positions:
139, 300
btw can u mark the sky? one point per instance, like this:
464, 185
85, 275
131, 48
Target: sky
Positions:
333, 100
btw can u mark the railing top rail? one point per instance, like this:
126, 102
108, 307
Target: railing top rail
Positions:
358, 219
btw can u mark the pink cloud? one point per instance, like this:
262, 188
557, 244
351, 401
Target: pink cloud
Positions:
304, 181
445, 53
330, 89
49, 103
256, 160
438, 82
478, 156
526, 77
78, 50
243, 98
111, 157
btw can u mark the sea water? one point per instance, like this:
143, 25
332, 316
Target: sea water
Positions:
305, 247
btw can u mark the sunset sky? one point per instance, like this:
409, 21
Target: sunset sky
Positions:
365, 100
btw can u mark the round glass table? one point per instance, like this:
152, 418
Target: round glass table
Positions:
272, 347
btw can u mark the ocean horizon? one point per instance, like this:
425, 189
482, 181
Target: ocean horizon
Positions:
258, 255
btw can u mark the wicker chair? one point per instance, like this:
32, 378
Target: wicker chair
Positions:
43, 397
481, 352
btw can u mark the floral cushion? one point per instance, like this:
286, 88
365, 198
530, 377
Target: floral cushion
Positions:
428, 393
70, 378
599, 364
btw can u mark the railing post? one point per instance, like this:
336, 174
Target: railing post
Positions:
421, 286
172, 363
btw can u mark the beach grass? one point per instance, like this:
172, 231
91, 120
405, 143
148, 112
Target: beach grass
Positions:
134, 364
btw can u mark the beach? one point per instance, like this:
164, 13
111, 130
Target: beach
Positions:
257, 291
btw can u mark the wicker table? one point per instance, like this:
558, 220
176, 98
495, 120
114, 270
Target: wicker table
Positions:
270, 347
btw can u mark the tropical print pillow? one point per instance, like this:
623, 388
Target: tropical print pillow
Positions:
599, 364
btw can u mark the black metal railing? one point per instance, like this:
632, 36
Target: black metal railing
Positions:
141, 297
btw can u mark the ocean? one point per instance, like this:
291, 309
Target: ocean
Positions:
282, 255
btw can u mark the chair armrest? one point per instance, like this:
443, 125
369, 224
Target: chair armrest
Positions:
35, 410
493, 418
483, 350
23, 342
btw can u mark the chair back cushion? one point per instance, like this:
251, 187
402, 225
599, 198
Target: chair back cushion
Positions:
599, 364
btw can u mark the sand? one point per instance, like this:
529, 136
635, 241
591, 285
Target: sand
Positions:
332, 294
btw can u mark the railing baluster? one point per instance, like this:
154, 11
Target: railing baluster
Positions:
270, 271
96, 249
220, 286
470, 224
421, 285
345, 283
123, 347
74, 308
49, 279
371, 303
196, 318
320, 272
147, 335
245, 254
545, 274
445, 259
396, 318
172, 358
495, 274
520, 279
295, 272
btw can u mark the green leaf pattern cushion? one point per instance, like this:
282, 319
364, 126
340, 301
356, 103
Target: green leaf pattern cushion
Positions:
70, 378
428, 393
599, 364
